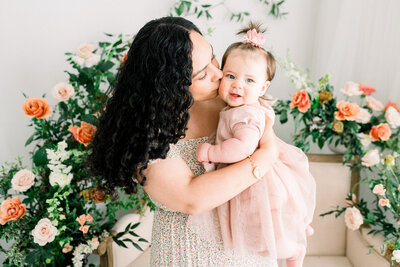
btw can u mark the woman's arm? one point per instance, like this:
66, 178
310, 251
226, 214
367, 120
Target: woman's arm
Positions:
172, 183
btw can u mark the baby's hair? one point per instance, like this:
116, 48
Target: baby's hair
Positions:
271, 63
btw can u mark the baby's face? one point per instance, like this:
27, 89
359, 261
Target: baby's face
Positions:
244, 78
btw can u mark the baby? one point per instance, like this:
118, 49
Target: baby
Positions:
271, 217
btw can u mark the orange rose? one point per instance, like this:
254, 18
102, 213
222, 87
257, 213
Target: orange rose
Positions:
366, 89
124, 58
11, 209
380, 132
83, 134
37, 107
301, 100
347, 111
98, 196
392, 104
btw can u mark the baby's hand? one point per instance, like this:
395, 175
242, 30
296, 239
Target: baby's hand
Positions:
202, 152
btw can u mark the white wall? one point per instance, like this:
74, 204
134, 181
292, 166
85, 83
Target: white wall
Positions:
35, 35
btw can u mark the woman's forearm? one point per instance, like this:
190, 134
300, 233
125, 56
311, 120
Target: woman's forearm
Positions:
212, 189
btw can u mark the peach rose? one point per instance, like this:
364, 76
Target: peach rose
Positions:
380, 132
364, 116
83, 134
383, 202
85, 50
374, 104
392, 104
44, 232
371, 158
124, 57
98, 196
84, 228
347, 111
353, 218
351, 89
63, 91
379, 190
37, 107
301, 100
22, 180
67, 248
392, 116
366, 89
11, 209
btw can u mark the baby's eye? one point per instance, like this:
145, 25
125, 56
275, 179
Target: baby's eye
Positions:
250, 80
230, 76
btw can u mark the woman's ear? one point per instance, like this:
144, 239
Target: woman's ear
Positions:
264, 88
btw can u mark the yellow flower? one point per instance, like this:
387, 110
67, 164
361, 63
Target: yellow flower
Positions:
324, 97
389, 160
337, 126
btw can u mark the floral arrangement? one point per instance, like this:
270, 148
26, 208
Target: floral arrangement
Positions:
369, 132
53, 214
353, 122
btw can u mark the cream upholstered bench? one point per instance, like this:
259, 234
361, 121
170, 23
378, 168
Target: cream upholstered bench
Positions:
332, 245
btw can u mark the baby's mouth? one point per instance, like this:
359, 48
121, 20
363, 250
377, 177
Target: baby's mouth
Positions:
234, 96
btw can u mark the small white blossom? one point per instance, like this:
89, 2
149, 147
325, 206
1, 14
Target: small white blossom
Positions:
396, 255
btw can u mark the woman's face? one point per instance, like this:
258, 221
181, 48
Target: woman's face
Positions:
206, 73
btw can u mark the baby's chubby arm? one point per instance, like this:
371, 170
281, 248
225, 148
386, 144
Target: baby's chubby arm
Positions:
243, 144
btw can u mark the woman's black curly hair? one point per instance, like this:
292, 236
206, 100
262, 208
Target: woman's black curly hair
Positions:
149, 106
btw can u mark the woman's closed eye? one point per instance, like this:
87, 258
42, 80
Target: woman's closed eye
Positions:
204, 76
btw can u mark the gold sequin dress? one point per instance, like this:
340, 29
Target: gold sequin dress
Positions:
174, 243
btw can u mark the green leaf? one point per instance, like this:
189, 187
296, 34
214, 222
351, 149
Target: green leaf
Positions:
110, 77
30, 139
109, 34
90, 119
200, 13
135, 225
283, 117
40, 157
205, 6
105, 65
63, 108
104, 44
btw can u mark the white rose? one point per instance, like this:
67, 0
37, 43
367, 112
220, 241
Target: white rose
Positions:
371, 158
396, 255
63, 91
85, 50
44, 232
353, 218
374, 104
92, 60
351, 89
365, 139
78, 60
60, 179
364, 116
392, 117
23, 180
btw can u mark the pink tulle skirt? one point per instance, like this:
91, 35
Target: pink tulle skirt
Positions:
270, 217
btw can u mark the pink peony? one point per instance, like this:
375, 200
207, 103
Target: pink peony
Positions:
353, 218
23, 180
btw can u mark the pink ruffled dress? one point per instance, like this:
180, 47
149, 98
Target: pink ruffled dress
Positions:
270, 217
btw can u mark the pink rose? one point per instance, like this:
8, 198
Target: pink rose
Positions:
383, 202
379, 189
374, 104
351, 89
22, 180
392, 116
44, 232
63, 91
363, 117
353, 218
380, 132
371, 158
366, 89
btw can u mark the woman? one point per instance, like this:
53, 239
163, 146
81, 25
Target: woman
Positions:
166, 91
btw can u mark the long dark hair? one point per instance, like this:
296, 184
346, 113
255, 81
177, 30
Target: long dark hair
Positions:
149, 106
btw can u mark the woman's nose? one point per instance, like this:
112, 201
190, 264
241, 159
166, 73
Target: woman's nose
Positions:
217, 72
